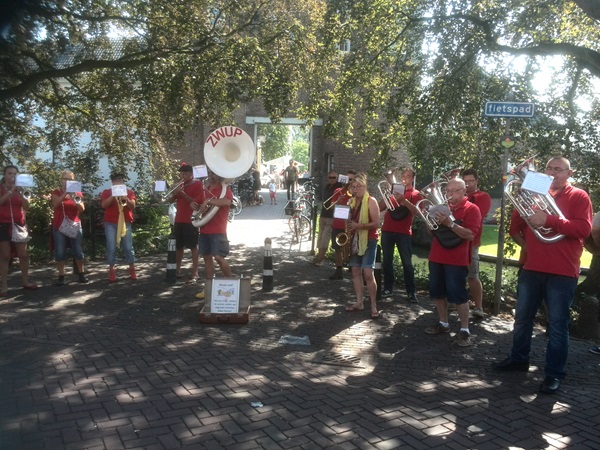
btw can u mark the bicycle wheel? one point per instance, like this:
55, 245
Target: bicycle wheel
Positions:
236, 206
304, 226
299, 224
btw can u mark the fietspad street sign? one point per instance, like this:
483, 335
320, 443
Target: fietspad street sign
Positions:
509, 109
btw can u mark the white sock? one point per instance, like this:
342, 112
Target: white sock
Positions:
444, 324
465, 329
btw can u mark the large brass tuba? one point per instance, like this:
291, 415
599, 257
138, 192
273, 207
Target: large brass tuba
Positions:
527, 202
434, 196
229, 152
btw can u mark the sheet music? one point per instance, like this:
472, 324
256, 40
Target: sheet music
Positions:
200, 171
537, 182
119, 190
398, 188
73, 186
341, 212
24, 180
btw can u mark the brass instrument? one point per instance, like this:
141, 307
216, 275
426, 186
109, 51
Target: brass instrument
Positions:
344, 240
167, 195
123, 200
434, 195
385, 190
528, 202
342, 196
78, 199
26, 194
229, 152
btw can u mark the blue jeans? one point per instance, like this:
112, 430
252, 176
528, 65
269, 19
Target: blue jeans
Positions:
60, 246
557, 292
110, 230
389, 242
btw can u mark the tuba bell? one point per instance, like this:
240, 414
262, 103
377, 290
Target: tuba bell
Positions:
228, 152
528, 202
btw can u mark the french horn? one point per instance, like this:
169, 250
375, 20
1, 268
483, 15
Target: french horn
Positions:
228, 152
528, 202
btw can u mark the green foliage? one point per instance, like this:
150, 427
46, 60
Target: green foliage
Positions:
276, 141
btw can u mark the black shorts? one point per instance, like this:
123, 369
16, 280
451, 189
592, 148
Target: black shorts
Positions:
5, 232
186, 235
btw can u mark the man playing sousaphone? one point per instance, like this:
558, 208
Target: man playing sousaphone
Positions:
213, 242
189, 196
449, 266
396, 232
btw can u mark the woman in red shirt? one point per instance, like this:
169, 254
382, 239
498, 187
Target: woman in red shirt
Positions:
12, 209
64, 203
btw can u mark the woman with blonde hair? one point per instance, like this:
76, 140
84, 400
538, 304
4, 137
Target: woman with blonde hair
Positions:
362, 232
65, 205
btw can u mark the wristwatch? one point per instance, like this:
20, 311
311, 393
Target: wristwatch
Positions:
452, 225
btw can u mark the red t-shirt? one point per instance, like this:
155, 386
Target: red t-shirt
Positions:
218, 224
111, 212
16, 203
195, 189
470, 218
71, 209
403, 226
562, 257
484, 203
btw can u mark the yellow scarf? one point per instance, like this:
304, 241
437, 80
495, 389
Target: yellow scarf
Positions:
121, 227
363, 234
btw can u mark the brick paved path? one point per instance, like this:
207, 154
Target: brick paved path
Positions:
127, 365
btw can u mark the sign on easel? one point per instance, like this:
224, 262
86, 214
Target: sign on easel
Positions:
225, 296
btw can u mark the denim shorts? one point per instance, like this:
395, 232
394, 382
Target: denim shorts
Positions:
449, 282
366, 261
213, 244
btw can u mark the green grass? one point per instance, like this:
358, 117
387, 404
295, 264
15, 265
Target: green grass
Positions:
489, 246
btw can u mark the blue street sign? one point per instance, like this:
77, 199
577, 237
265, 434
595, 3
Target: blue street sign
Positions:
509, 109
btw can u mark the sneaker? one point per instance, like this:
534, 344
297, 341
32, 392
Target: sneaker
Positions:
337, 275
438, 328
478, 313
413, 298
200, 295
386, 294
132, 273
83, 278
595, 350
112, 275
464, 339
61, 280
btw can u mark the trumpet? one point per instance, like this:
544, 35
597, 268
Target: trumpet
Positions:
123, 200
528, 202
78, 199
26, 194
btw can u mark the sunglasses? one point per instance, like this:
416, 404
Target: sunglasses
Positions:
332, 178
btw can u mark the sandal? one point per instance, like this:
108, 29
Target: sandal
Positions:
354, 308
375, 315
192, 281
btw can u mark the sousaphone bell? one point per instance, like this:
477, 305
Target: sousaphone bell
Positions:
228, 152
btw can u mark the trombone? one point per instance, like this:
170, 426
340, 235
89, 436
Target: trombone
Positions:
343, 194
168, 194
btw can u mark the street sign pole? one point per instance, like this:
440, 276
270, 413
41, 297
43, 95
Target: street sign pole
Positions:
500, 252
506, 110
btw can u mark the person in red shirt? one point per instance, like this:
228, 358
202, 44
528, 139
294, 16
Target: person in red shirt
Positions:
189, 196
550, 275
12, 210
341, 196
118, 216
484, 202
449, 263
362, 233
396, 232
213, 242
64, 204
